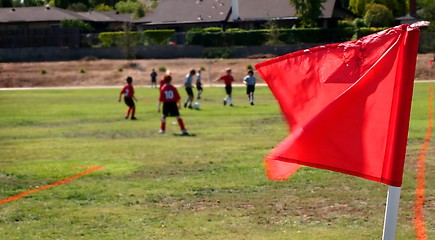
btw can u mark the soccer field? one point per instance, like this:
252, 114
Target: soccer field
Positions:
72, 167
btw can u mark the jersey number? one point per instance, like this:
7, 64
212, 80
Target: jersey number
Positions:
169, 95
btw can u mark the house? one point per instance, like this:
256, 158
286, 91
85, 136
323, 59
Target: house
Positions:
246, 14
106, 21
41, 26
35, 17
184, 15
51, 17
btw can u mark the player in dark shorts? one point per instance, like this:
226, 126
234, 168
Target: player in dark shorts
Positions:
228, 80
170, 98
153, 78
129, 98
188, 84
249, 80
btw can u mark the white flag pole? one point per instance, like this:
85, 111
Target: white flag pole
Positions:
391, 213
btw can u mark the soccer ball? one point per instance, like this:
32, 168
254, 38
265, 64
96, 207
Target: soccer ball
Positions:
196, 105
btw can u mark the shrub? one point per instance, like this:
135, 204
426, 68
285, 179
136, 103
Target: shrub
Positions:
133, 38
359, 23
262, 36
157, 37
378, 15
80, 24
136, 7
361, 32
103, 8
213, 29
82, 70
205, 39
43, 71
109, 39
162, 69
345, 24
235, 30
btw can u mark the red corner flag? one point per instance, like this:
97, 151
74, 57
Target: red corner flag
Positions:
347, 104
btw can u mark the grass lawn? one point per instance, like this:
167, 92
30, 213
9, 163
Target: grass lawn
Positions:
153, 186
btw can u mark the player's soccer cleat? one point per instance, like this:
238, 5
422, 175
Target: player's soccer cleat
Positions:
252, 103
184, 133
161, 131
225, 102
126, 117
231, 105
185, 104
133, 118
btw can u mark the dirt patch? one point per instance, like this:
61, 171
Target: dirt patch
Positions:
95, 72
114, 72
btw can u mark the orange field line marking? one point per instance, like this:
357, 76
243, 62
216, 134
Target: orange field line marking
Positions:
63, 181
419, 223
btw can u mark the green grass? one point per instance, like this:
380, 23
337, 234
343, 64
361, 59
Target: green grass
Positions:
211, 186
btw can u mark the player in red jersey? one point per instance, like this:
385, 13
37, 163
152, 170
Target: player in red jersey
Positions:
162, 80
170, 98
129, 98
228, 80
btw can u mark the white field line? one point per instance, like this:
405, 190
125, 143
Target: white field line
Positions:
111, 87
147, 86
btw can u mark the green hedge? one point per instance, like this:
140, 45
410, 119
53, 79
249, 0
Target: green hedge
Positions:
157, 37
148, 37
364, 31
260, 37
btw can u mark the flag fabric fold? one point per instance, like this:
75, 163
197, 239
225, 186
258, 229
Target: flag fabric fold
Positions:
347, 105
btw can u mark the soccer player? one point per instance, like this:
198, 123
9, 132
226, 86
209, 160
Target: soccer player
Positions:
153, 78
198, 83
188, 86
170, 98
129, 98
228, 80
249, 81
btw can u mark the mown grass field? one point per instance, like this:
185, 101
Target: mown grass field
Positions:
152, 186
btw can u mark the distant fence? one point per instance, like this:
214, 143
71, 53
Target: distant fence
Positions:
59, 44
427, 42
40, 37
143, 52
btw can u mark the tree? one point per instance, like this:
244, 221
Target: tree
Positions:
358, 6
5, 3
398, 7
78, 7
427, 13
32, 3
378, 15
131, 6
94, 3
60, 3
273, 33
308, 11
103, 8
